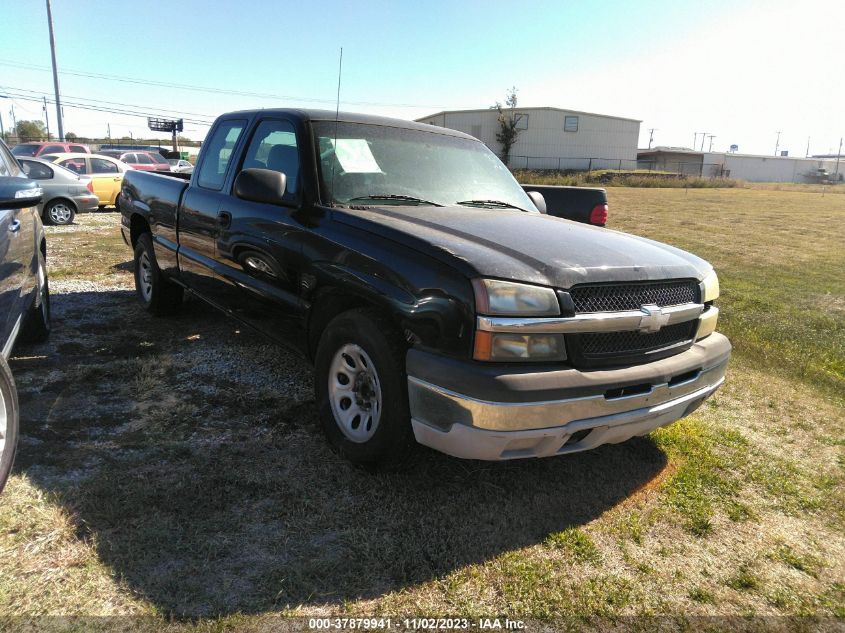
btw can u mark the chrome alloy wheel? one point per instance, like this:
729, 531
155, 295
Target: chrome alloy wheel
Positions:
355, 393
60, 213
145, 275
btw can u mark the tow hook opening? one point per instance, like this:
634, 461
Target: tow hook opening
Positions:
577, 436
685, 377
630, 390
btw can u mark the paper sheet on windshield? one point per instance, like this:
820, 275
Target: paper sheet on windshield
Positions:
355, 157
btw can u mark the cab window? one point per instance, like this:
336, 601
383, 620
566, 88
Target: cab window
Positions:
217, 153
273, 146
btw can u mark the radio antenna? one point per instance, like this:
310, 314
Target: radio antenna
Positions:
336, 117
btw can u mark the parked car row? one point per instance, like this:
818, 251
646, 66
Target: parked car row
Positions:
76, 180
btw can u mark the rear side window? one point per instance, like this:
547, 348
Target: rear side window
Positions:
217, 153
76, 165
79, 148
100, 166
158, 158
53, 149
36, 171
273, 146
143, 159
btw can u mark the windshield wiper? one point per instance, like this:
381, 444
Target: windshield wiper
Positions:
491, 203
393, 196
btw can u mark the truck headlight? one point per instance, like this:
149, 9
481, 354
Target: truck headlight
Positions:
509, 347
710, 287
507, 298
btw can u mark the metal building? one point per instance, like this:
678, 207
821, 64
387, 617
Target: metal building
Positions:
750, 167
553, 138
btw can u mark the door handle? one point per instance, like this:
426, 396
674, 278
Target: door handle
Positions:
224, 219
15, 226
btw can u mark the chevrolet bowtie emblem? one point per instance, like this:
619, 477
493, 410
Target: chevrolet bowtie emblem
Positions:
653, 318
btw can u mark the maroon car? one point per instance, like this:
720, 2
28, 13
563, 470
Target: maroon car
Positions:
142, 161
34, 150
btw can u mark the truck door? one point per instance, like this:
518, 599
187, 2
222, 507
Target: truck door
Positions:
199, 223
258, 244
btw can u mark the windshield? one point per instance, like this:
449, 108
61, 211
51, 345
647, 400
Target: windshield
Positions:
25, 149
375, 164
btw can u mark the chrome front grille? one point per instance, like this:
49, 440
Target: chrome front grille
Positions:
612, 297
598, 349
609, 343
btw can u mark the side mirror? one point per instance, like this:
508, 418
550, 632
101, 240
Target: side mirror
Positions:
538, 200
18, 193
261, 185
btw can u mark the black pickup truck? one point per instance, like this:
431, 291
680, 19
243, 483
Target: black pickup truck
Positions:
437, 303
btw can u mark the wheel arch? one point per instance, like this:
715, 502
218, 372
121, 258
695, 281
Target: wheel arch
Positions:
332, 301
138, 225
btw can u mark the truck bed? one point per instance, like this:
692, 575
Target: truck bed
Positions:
571, 203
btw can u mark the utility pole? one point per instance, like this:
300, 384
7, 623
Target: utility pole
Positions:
838, 154
14, 121
695, 139
2, 131
55, 73
651, 136
711, 137
108, 128
777, 143
703, 134
807, 153
47, 118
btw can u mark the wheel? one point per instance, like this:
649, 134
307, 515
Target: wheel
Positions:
156, 293
8, 422
36, 325
362, 392
59, 212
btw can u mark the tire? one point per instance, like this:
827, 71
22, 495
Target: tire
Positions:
36, 324
360, 370
8, 422
157, 294
59, 213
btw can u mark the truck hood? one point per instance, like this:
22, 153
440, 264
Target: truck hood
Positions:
527, 247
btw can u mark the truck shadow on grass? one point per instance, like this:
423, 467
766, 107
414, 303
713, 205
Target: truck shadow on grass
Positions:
188, 452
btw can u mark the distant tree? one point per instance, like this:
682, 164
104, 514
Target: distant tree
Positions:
70, 136
31, 129
508, 120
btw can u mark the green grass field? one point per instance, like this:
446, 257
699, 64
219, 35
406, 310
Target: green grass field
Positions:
173, 469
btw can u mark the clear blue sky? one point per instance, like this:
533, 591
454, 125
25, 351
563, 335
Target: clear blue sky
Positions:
741, 70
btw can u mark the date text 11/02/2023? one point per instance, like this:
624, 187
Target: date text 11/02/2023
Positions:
416, 624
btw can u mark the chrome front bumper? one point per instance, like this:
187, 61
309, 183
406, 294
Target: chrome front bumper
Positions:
590, 408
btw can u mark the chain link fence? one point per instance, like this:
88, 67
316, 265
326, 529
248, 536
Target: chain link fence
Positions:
691, 168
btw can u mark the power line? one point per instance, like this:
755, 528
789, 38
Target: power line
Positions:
145, 108
240, 93
83, 106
